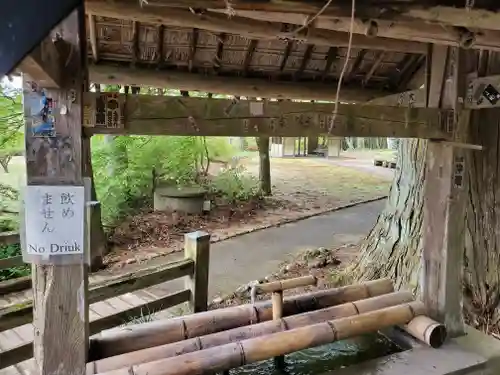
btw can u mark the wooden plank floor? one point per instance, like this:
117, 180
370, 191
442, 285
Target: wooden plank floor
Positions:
24, 334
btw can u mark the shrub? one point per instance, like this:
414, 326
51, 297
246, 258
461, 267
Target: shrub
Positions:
123, 167
14, 272
234, 185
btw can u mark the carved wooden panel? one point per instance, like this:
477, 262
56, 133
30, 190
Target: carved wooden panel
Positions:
106, 111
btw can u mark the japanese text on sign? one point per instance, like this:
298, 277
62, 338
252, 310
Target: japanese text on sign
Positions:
54, 220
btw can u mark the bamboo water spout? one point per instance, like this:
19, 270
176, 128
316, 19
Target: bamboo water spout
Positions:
250, 331
244, 352
166, 331
276, 289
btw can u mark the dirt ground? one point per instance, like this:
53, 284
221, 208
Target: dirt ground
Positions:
322, 263
302, 187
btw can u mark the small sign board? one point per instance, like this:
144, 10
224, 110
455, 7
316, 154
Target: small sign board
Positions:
106, 111
256, 108
54, 220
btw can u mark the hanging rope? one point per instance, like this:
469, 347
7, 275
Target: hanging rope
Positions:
341, 77
311, 20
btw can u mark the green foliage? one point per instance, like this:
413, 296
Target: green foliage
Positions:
14, 272
11, 119
234, 185
9, 208
124, 167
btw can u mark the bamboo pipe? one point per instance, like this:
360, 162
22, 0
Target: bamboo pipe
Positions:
276, 289
280, 285
256, 349
427, 330
166, 331
250, 331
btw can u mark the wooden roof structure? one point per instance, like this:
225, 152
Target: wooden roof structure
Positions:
215, 43
281, 49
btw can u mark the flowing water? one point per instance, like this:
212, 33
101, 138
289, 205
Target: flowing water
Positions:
322, 359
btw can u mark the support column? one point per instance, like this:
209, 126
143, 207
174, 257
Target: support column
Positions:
334, 147
54, 157
445, 193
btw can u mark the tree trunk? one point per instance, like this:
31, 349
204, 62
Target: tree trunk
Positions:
394, 246
264, 165
482, 237
5, 164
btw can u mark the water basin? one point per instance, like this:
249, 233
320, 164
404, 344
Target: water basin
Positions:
315, 361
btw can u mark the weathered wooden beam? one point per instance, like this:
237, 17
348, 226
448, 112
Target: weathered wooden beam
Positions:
44, 64
249, 55
25, 351
445, 199
9, 238
192, 48
475, 17
412, 98
112, 74
374, 67
243, 26
356, 64
402, 29
149, 115
159, 46
305, 60
437, 62
9, 263
484, 92
16, 315
330, 59
410, 71
135, 43
54, 157
197, 249
218, 53
93, 37
286, 55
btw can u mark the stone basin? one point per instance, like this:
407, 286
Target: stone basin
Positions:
181, 199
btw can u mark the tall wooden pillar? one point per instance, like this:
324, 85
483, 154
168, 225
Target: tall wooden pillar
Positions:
53, 118
445, 192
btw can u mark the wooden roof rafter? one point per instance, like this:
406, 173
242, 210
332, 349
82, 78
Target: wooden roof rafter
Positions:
192, 48
159, 46
373, 68
135, 43
252, 45
305, 60
330, 59
484, 15
250, 28
93, 37
249, 87
218, 54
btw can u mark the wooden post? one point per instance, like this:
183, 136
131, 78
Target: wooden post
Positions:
445, 198
197, 248
54, 157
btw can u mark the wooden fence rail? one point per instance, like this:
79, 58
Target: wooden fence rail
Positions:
195, 265
9, 238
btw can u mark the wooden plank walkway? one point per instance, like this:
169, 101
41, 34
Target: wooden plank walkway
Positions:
24, 334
